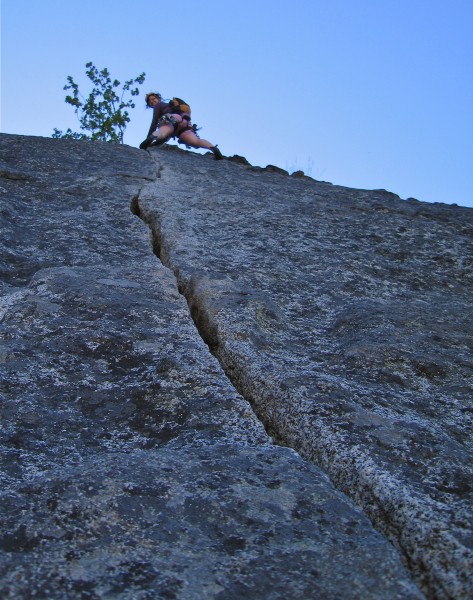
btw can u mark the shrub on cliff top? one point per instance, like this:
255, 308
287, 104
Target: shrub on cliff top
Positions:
102, 115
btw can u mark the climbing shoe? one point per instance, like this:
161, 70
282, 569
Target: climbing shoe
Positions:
148, 141
218, 155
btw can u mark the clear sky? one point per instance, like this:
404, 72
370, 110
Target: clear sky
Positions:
364, 93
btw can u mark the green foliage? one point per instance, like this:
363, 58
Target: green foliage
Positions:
103, 113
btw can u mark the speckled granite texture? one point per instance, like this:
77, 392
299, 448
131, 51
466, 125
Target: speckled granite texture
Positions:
344, 317
130, 466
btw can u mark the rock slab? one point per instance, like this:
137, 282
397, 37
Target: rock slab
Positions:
344, 316
130, 466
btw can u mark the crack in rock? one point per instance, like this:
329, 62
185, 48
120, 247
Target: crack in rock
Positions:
129, 465
365, 368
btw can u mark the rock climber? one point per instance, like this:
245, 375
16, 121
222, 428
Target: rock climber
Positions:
172, 120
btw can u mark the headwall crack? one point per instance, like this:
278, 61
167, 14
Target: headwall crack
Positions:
311, 359
119, 428
255, 391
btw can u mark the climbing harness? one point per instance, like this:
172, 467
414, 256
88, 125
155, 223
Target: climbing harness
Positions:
179, 127
168, 119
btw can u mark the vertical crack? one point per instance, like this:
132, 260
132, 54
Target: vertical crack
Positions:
199, 314
372, 506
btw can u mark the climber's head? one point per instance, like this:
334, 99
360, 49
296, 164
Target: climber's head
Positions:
152, 98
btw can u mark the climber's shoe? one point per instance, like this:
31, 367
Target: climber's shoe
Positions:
148, 141
218, 155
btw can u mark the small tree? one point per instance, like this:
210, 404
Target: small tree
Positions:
103, 114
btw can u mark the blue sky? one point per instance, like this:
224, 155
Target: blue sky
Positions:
363, 93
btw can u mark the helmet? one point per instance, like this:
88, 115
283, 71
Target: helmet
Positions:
157, 94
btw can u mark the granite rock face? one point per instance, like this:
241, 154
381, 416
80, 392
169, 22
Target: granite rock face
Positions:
130, 465
344, 317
